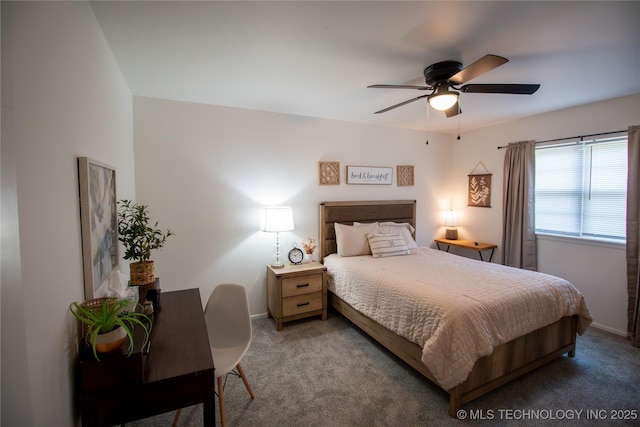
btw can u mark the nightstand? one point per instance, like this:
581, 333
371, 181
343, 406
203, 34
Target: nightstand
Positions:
296, 291
468, 244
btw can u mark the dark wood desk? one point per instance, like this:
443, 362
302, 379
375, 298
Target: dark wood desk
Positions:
177, 372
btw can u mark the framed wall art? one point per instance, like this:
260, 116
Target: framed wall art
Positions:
479, 191
405, 175
99, 223
329, 173
369, 175
479, 188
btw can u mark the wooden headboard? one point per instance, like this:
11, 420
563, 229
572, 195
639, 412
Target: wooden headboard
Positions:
360, 211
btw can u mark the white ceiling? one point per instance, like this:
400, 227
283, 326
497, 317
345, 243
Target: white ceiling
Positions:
316, 59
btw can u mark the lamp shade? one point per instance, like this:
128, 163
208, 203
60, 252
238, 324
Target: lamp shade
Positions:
276, 219
451, 219
443, 99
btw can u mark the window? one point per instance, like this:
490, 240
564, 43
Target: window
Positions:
581, 188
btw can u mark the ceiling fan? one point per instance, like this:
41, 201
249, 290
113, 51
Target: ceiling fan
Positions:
443, 76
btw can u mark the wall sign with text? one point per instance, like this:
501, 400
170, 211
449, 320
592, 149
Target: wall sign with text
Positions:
369, 175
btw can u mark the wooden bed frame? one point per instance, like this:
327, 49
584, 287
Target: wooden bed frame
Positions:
507, 362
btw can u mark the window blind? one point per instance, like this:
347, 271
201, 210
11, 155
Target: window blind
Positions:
581, 188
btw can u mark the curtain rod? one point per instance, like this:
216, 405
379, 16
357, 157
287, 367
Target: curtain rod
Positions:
574, 137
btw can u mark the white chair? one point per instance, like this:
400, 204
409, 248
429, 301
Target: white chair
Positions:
229, 325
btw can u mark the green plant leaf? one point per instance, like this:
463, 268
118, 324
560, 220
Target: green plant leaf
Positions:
109, 316
138, 238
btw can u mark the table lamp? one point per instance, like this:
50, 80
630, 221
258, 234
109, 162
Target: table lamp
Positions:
451, 222
275, 220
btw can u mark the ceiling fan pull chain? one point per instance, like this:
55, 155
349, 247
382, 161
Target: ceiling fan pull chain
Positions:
427, 124
459, 111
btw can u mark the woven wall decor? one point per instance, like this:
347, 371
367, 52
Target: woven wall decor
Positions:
329, 173
405, 175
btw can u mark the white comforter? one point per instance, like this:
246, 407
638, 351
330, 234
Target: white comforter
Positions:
457, 309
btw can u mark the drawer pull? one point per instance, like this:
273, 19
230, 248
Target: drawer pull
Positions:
304, 285
303, 304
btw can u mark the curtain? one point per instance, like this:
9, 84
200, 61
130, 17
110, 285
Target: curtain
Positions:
518, 209
633, 235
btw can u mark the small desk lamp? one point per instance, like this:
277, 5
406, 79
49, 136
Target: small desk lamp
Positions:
275, 220
451, 222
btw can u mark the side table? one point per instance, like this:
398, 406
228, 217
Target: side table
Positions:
468, 244
296, 291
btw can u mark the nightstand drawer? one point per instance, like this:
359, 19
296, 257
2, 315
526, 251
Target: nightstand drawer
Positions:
301, 304
301, 285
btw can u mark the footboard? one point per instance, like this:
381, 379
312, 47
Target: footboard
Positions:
514, 359
507, 362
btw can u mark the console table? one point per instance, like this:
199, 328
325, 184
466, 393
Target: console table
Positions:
468, 244
177, 371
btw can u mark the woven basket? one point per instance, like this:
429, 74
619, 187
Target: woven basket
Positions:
95, 304
141, 273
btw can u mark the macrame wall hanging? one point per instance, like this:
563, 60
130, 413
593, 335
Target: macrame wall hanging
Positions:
479, 188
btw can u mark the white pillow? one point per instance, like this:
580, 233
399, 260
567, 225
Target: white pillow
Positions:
404, 229
352, 239
384, 245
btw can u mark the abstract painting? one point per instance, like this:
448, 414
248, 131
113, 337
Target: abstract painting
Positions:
99, 223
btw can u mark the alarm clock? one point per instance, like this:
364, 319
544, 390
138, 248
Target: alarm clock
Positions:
296, 256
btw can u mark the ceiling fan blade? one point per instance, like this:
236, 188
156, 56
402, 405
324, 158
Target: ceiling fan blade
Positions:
453, 111
400, 87
400, 104
481, 66
515, 89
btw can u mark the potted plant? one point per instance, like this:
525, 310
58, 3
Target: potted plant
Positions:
139, 239
107, 322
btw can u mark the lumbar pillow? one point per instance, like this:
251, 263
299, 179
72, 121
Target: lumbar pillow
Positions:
384, 245
352, 239
402, 228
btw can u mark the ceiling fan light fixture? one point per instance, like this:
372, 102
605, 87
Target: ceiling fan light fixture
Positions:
443, 99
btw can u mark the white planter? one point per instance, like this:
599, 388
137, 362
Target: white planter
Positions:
111, 341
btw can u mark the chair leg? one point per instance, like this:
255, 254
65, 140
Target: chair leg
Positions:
223, 419
176, 418
244, 379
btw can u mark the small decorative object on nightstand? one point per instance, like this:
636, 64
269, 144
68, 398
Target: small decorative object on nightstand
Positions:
296, 256
309, 246
297, 291
468, 244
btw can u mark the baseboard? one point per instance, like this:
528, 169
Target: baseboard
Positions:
608, 329
259, 316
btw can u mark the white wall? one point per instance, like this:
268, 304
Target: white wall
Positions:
63, 96
206, 172
599, 272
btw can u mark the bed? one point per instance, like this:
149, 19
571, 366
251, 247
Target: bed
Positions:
485, 368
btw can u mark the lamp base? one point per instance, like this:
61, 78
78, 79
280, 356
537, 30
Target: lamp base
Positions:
277, 265
451, 234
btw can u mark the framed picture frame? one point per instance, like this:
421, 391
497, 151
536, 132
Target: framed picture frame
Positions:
374, 175
99, 223
479, 191
329, 173
405, 175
